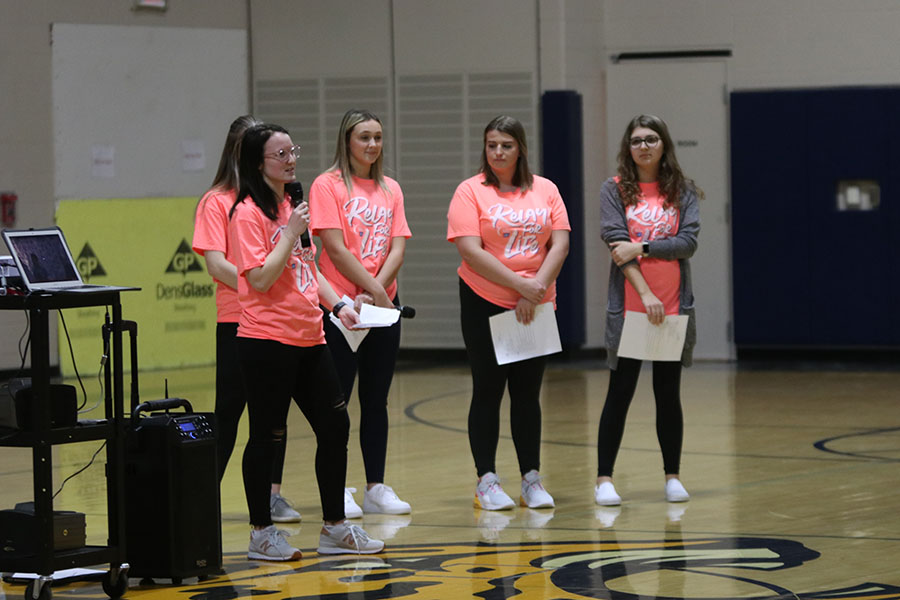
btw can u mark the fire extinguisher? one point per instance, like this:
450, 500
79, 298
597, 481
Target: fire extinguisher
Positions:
8, 205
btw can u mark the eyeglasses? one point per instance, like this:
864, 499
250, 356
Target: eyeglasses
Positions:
283, 154
650, 140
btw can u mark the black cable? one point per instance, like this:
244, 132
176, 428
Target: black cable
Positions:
22, 355
79, 471
27, 337
74, 366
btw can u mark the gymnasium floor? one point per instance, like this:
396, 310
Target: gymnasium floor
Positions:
794, 475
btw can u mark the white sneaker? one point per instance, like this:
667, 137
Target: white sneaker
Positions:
270, 544
347, 538
490, 496
605, 495
351, 508
675, 492
282, 509
533, 493
382, 499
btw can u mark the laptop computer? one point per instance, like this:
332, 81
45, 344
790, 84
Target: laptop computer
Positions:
46, 264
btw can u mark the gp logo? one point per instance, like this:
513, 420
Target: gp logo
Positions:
184, 260
714, 568
88, 264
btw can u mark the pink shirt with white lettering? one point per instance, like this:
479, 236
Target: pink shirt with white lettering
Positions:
515, 227
288, 312
211, 233
650, 220
368, 219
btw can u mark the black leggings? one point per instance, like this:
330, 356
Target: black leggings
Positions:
274, 373
374, 360
669, 420
231, 399
488, 382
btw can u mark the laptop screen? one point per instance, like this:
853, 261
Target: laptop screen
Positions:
43, 258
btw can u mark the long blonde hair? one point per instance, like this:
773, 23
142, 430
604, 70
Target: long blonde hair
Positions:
341, 163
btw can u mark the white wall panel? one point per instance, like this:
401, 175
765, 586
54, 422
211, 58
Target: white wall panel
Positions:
465, 35
440, 127
301, 38
142, 91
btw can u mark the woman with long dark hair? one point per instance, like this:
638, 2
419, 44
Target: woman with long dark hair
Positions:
512, 232
211, 242
281, 345
650, 220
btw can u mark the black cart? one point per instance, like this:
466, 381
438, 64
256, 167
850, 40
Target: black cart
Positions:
44, 559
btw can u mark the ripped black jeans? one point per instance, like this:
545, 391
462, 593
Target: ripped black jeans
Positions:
273, 374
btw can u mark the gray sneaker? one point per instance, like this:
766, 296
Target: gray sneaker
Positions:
282, 510
270, 544
347, 538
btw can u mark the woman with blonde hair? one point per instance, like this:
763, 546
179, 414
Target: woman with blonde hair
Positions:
358, 214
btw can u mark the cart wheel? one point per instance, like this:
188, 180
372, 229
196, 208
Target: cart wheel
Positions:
147, 581
176, 581
43, 590
202, 578
115, 588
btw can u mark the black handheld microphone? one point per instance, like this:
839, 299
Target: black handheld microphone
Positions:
295, 191
407, 312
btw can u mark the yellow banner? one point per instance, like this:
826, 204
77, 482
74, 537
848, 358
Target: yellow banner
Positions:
146, 243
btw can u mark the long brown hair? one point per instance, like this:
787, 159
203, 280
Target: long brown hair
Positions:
672, 181
226, 178
227, 174
522, 178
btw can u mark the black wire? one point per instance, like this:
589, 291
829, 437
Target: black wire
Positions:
22, 355
79, 471
74, 366
27, 338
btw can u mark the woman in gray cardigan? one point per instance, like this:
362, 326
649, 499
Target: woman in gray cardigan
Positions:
650, 220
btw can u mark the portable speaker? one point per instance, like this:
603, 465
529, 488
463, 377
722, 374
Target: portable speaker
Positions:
172, 512
16, 405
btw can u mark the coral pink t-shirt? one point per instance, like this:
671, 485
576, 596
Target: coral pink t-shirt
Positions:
649, 220
368, 220
289, 311
513, 226
211, 233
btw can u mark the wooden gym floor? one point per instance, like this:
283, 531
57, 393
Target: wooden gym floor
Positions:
794, 474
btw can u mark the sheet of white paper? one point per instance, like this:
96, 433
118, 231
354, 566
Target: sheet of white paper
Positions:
193, 155
354, 337
514, 342
375, 316
103, 161
644, 341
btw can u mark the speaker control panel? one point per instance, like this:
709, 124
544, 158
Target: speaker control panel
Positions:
194, 427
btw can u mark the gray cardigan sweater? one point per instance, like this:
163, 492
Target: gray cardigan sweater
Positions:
680, 247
